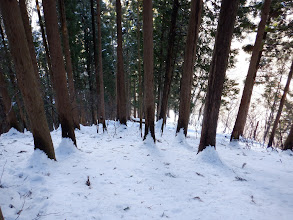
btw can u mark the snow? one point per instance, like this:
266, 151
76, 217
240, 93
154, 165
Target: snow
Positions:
116, 175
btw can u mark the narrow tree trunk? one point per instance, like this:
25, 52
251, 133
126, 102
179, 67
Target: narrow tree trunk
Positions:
189, 59
269, 121
282, 102
148, 64
253, 66
161, 61
99, 76
58, 69
121, 95
94, 40
91, 84
134, 98
289, 141
10, 114
48, 59
26, 77
217, 73
140, 98
169, 62
68, 63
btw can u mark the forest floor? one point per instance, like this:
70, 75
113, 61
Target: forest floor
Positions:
116, 175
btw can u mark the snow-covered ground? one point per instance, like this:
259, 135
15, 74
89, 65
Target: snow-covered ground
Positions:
116, 175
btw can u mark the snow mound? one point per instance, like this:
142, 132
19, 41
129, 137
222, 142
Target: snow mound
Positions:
39, 161
210, 156
159, 124
181, 137
65, 149
12, 132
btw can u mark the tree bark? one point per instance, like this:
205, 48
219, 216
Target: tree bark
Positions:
48, 59
90, 77
189, 59
217, 73
148, 63
58, 69
140, 98
10, 114
282, 102
120, 84
161, 60
289, 141
169, 64
68, 63
29, 36
121, 93
26, 77
249, 82
13, 81
99, 76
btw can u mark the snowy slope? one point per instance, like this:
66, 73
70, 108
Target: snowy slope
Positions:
132, 179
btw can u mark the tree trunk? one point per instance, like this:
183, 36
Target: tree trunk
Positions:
169, 62
99, 76
121, 94
148, 63
1, 215
140, 98
29, 36
134, 98
217, 73
289, 141
48, 59
13, 81
249, 82
90, 80
282, 102
161, 61
26, 77
58, 69
189, 59
10, 114
68, 63
269, 121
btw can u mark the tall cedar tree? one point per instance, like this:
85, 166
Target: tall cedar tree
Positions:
217, 73
250, 78
148, 64
169, 63
189, 59
68, 63
9, 111
120, 83
282, 102
26, 77
99, 76
58, 69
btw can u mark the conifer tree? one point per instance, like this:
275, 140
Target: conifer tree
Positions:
64, 106
25, 75
149, 102
218, 68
